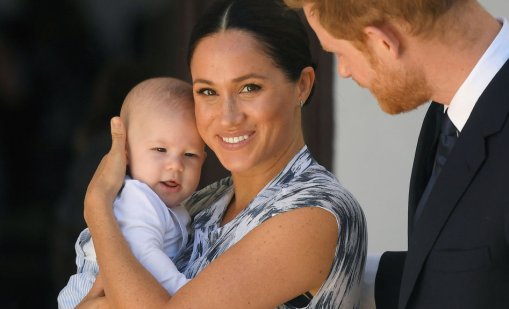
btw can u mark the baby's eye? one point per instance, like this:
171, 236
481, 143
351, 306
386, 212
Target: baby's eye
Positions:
190, 155
206, 92
159, 149
250, 88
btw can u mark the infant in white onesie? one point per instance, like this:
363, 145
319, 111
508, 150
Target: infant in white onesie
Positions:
165, 154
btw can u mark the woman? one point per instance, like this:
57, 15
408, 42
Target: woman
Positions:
281, 231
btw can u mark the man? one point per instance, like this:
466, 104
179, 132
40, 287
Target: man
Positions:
454, 53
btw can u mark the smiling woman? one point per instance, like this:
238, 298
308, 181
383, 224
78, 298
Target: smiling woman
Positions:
249, 110
281, 231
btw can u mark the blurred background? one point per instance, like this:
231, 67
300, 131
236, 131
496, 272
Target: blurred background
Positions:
65, 68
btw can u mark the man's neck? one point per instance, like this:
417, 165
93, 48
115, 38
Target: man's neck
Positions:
447, 61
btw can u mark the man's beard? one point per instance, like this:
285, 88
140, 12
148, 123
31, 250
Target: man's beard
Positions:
399, 91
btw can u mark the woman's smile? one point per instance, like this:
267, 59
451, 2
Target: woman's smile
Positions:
246, 108
235, 140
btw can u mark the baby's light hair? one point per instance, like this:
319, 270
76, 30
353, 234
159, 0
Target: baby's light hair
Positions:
160, 92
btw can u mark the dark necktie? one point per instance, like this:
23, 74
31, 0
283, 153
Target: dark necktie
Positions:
446, 141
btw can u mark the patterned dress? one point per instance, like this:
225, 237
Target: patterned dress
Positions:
302, 183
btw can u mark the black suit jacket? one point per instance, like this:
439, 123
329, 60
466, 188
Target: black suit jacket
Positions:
458, 250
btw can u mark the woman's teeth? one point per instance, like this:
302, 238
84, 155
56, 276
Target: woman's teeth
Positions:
235, 140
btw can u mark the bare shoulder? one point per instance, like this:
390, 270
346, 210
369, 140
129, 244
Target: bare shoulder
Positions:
283, 257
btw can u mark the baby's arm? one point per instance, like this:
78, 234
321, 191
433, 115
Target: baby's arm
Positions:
145, 222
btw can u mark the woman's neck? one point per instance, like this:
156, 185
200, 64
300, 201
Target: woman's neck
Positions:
248, 184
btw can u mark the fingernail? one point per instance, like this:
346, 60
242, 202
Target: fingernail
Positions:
115, 123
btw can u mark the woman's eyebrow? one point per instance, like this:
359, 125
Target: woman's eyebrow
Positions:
248, 76
202, 81
235, 80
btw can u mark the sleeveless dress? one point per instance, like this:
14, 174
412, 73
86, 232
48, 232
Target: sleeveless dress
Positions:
302, 183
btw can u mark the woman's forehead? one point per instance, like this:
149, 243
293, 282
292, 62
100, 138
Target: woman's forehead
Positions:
231, 40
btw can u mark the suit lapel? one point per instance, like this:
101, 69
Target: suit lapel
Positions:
487, 118
424, 157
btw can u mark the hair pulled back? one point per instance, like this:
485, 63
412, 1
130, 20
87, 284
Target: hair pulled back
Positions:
277, 28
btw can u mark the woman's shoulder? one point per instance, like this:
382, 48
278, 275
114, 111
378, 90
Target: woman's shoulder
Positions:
316, 186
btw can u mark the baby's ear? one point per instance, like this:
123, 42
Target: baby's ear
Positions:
128, 163
127, 147
127, 157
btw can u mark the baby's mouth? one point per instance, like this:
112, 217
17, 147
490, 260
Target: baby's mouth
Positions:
171, 184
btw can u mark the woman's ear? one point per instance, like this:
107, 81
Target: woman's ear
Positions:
383, 41
305, 83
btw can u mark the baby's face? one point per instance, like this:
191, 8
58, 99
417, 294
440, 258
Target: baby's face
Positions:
166, 152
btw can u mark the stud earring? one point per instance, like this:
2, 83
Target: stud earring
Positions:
301, 103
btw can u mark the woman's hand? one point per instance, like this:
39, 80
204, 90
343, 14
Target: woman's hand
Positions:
95, 298
110, 173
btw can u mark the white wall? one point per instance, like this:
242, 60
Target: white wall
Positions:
374, 154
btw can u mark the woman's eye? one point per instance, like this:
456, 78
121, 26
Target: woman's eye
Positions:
159, 149
250, 88
206, 92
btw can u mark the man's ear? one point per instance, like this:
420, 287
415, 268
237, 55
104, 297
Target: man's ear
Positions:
383, 41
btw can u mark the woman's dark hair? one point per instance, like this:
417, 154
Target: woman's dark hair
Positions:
278, 28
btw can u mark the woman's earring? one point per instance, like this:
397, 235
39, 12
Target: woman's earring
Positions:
301, 104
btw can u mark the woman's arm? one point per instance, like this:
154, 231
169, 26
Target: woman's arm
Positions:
282, 258
116, 261
95, 297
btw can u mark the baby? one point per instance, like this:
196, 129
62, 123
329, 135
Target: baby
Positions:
165, 154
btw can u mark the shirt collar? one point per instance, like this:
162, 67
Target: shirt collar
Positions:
490, 63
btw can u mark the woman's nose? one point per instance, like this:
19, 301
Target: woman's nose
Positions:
231, 113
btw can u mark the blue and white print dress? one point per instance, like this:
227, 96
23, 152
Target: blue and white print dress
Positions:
302, 183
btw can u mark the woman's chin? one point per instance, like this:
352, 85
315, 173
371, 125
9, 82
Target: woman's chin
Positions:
235, 168
235, 165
